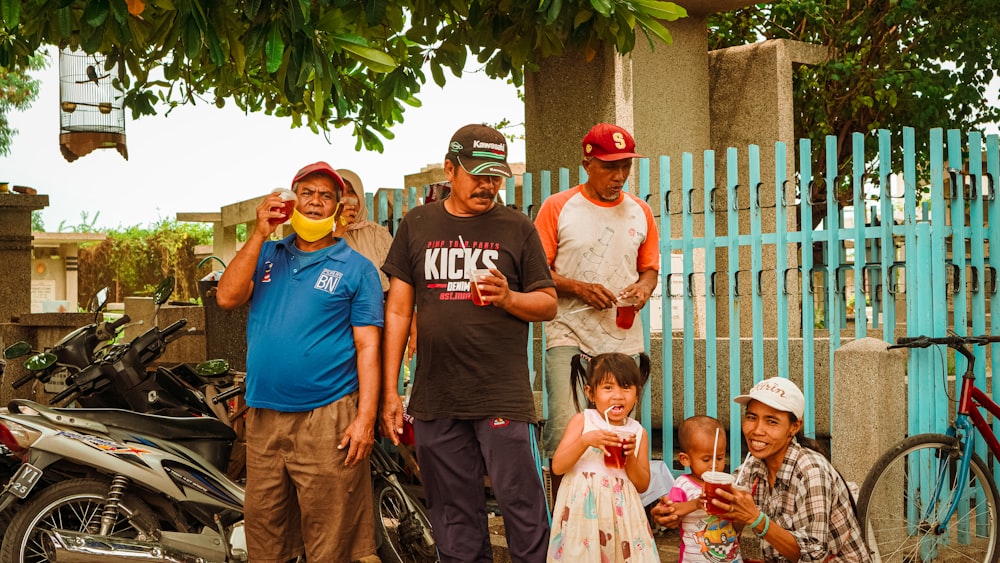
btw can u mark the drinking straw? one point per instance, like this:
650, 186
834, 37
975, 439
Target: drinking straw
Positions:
715, 448
739, 474
465, 253
606, 411
580, 309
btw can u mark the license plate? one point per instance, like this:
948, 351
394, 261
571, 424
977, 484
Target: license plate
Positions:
24, 480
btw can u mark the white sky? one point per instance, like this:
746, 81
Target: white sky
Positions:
201, 158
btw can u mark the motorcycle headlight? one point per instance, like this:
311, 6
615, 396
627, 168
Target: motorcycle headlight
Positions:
17, 437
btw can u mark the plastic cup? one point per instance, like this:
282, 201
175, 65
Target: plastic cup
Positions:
342, 205
624, 316
625, 313
477, 276
406, 438
615, 458
288, 200
714, 481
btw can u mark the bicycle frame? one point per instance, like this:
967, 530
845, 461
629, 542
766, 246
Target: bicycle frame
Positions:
967, 416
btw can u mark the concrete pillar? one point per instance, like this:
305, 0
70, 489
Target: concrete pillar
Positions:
15, 252
869, 404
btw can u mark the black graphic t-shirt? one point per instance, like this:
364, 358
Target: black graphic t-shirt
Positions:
472, 362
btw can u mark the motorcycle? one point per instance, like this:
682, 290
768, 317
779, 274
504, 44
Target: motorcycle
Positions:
178, 505
132, 486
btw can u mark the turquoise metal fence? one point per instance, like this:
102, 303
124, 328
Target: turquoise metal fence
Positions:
898, 235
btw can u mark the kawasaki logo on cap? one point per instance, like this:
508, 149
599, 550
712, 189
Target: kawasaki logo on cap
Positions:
456, 146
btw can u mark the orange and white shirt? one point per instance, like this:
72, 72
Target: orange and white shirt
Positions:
595, 241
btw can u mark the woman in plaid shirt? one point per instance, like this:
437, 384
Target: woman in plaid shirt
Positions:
798, 504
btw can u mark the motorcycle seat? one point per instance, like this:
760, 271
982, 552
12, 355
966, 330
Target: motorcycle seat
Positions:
157, 426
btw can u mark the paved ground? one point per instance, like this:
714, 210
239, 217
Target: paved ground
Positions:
667, 543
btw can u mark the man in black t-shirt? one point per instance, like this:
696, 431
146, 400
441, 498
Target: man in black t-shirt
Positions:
472, 401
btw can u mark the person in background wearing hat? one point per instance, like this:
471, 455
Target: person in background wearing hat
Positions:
798, 504
313, 351
472, 400
603, 248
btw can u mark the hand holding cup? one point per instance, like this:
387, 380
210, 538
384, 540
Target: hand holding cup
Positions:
281, 208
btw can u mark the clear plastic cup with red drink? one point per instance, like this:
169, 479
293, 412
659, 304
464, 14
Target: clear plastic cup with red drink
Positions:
288, 200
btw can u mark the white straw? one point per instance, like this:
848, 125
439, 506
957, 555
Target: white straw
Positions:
606, 421
739, 474
465, 253
580, 309
715, 448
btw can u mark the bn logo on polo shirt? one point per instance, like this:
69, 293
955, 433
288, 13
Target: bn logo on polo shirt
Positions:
328, 280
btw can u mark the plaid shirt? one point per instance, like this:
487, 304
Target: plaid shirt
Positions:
810, 501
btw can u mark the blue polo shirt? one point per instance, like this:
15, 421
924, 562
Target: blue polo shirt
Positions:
300, 341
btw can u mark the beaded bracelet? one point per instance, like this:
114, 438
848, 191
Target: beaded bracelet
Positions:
760, 518
767, 524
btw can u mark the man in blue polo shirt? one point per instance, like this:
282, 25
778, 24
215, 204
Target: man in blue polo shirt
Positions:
313, 336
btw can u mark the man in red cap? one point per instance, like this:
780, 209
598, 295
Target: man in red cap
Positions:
472, 403
313, 347
602, 246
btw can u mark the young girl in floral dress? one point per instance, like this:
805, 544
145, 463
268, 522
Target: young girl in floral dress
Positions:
604, 459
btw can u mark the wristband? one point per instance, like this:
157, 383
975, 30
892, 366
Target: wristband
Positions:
767, 524
760, 517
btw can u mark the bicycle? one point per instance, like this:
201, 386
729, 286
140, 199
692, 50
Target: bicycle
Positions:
950, 502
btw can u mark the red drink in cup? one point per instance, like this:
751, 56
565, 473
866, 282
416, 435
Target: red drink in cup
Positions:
715, 480
287, 205
624, 316
406, 438
615, 458
477, 295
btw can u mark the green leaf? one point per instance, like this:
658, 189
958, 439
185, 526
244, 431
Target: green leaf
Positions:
660, 10
437, 73
553, 11
214, 47
192, 39
11, 12
92, 42
96, 12
237, 52
377, 61
119, 10
274, 48
375, 11
64, 20
306, 7
653, 26
582, 17
602, 7
332, 21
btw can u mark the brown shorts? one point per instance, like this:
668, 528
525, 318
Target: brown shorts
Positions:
300, 497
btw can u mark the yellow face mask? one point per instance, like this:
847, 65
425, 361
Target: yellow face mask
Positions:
311, 230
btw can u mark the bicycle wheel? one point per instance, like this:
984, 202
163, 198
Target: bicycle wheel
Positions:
900, 513
402, 530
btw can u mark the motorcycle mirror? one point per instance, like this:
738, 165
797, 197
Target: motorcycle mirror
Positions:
212, 368
16, 350
163, 290
100, 299
98, 302
41, 361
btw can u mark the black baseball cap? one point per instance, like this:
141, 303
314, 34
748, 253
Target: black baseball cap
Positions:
481, 150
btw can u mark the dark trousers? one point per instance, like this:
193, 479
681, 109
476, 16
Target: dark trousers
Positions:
453, 457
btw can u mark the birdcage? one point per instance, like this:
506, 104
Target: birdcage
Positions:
90, 105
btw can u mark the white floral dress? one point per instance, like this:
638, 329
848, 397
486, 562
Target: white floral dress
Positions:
598, 515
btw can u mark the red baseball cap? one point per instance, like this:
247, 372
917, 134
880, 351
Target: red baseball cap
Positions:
605, 141
319, 168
